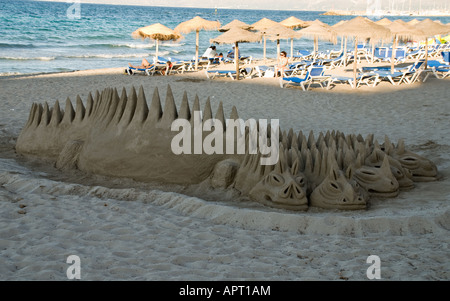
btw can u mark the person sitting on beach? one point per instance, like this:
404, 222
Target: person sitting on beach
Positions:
210, 53
231, 53
282, 64
166, 68
144, 65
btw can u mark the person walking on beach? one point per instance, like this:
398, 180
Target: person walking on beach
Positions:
282, 64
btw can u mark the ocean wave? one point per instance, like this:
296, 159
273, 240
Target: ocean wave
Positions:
20, 58
107, 56
16, 45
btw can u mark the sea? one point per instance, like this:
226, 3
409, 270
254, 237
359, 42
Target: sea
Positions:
45, 37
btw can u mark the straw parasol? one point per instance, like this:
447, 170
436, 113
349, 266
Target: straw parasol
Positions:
197, 23
262, 25
278, 32
157, 32
293, 23
343, 47
413, 22
402, 31
235, 23
362, 29
384, 22
430, 29
317, 29
235, 36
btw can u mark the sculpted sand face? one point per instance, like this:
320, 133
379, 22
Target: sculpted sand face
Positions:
122, 136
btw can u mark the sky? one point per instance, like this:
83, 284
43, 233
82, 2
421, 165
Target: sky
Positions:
324, 5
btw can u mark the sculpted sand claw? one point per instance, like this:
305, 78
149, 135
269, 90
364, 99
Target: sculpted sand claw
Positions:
121, 136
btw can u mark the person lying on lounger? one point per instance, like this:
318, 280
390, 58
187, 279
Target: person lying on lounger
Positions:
144, 65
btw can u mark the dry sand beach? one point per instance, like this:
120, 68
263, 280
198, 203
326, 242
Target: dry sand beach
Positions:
124, 230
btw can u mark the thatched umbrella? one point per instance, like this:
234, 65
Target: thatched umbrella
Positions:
343, 47
402, 31
278, 32
317, 29
262, 25
293, 23
362, 29
235, 23
413, 22
384, 22
235, 36
197, 23
157, 32
430, 29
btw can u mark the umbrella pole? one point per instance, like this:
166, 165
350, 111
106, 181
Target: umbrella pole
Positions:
345, 52
264, 47
426, 53
394, 51
278, 49
236, 59
292, 48
196, 49
315, 46
373, 50
355, 59
156, 54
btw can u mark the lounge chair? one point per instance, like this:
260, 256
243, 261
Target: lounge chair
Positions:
438, 69
261, 71
246, 72
152, 70
408, 75
369, 79
446, 57
314, 75
303, 55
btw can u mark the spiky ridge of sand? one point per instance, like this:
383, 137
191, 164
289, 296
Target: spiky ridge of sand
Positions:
125, 230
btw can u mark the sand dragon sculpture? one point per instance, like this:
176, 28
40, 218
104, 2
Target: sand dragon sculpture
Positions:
121, 136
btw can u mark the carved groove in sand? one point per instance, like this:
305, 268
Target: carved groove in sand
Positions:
119, 135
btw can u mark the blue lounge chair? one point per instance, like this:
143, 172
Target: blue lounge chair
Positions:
367, 78
408, 75
244, 72
152, 70
438, 69
314, 75
446, 57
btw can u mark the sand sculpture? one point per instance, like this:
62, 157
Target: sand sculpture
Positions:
119, 135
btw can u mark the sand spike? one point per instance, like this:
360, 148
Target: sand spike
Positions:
45, 118
130, 107
56, 115
141, 112
195, 108
31, 115
155, 113
89, 106
115, 102
400, 146
234, 114
80, 111
69, 113
37, 116
311, 140
185, 111
220, 115
120, 107
170, 109
207, 112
